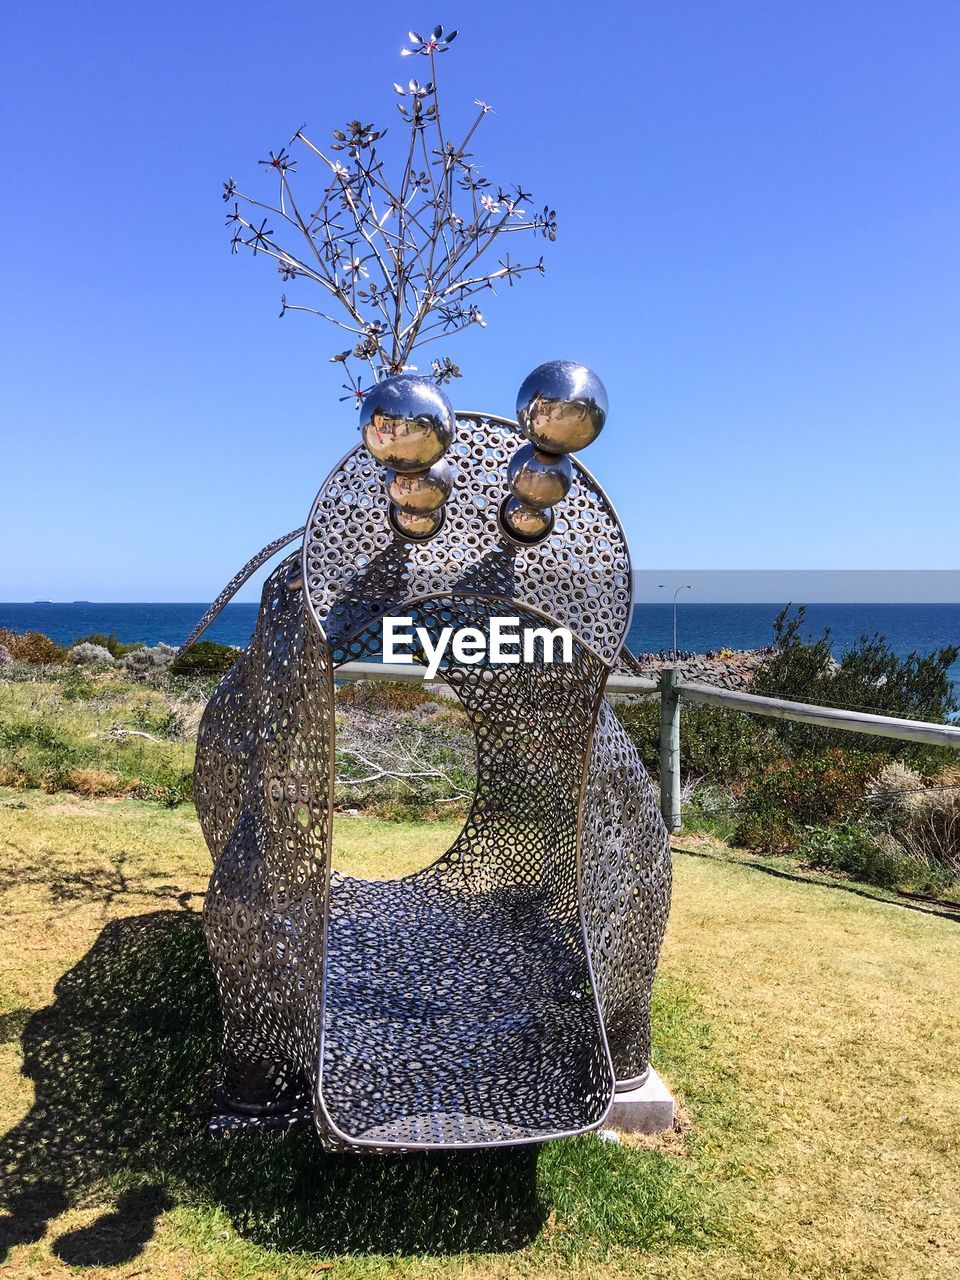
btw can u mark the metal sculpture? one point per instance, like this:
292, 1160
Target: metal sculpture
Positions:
499, 995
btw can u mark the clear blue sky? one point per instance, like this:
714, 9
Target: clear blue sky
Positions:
758, 251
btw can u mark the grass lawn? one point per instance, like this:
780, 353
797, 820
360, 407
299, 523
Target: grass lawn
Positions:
811, 1034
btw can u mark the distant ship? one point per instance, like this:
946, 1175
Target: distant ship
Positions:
81, 602
43, 602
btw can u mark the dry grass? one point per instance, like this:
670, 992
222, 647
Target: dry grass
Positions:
822, 1093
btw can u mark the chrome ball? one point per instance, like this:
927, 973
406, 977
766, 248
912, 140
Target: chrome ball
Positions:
562, 406
407, 422
418, 492
539, 479
523, 523
416, 525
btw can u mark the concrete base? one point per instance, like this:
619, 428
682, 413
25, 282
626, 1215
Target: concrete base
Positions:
647, 1109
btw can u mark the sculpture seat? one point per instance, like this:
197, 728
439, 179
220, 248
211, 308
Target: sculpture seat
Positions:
456, 1018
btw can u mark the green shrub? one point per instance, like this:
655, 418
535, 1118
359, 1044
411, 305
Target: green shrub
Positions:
382, 696
869, 677
76, 685
864, 852
85, 652
721, 746
791, 794
206, 657
850, 847
116, 648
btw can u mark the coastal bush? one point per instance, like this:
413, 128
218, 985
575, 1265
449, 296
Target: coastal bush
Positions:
890, 793
80, 718
860, 850
86, 651
791, 794
145, 660
869, 677
6, 658
921, 819
116, 648
724, 747
855, 848
709, 809
205, 657
33, 647
380, 697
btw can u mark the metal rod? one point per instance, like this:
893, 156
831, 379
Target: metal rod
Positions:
410, 673
941, 735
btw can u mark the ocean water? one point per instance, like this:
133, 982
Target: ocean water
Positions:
907, 627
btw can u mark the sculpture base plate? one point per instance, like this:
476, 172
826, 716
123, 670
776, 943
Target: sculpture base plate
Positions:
647, 1109
225, 1119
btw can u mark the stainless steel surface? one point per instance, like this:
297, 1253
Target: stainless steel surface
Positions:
562, 406
941, 735
419, 492
539, 479
525, 524
616, 683
236, 582
496, 996
580, 573
406, 422
416, 525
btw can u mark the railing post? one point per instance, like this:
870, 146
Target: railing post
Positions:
670, 749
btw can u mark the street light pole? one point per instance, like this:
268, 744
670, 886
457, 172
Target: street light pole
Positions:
685, 587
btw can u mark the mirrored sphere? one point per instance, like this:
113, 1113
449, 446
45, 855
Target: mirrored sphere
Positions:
407, 422
416, 525
525, 524
420, 491
539, 479
562, 406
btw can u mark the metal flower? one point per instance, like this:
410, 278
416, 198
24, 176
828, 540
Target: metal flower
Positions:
415, 89
355, 268
359, 137
437, 42
281, 162
547, 223
444, 370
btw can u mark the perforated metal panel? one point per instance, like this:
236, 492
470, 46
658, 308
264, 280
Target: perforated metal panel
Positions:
478, 1001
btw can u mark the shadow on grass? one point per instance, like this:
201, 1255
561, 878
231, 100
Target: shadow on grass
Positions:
106, 884
920, 902
123, 1067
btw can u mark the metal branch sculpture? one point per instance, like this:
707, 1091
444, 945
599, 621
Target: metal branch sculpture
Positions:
400, 257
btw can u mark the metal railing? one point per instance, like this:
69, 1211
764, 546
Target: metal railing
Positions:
673, 691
